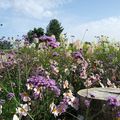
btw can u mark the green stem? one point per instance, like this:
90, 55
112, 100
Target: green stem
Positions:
96, 114
73, 115
19, 76
87, 113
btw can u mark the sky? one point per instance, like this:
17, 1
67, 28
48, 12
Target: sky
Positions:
84, 19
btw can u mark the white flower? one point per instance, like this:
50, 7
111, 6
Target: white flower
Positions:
0, 109
29, 86
15, 117
23, 109
1, 65
53, 109
36, 40
68, 94
4, 58
65, 84
25, 97
74, 102
37, 90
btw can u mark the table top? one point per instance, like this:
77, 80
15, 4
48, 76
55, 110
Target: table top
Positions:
100, 93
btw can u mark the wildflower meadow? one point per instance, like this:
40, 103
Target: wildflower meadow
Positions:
42, 83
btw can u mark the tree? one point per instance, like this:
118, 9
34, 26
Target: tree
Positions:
36, 32
5, 45
54, 28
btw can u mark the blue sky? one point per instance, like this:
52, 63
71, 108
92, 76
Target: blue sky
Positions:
100, 17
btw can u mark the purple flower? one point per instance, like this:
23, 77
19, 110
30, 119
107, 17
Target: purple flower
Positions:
55, 54
51, 41
45, 38
10, 96
118, 114
40, 83
2, 53
62, 107
87, 103
54, 44
2, 101
112, 101
77, 55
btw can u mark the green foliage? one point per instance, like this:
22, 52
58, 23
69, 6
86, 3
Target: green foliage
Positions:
54, 28
35, 32
4, 45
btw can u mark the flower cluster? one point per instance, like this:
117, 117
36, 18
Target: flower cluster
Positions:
50, 40
113, 101
83, 72
39, 84
68, 100
71, 99
7, 59
53, 67
78, 55
92, 80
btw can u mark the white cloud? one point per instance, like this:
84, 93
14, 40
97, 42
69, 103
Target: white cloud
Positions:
108, 26
33, 8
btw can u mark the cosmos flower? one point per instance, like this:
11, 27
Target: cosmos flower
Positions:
23, 109
74, 102
62, 107
53, 109
15, 117
65, 84
25, 97
68, 94
68, 100
29, 86
71, 100
59, 109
